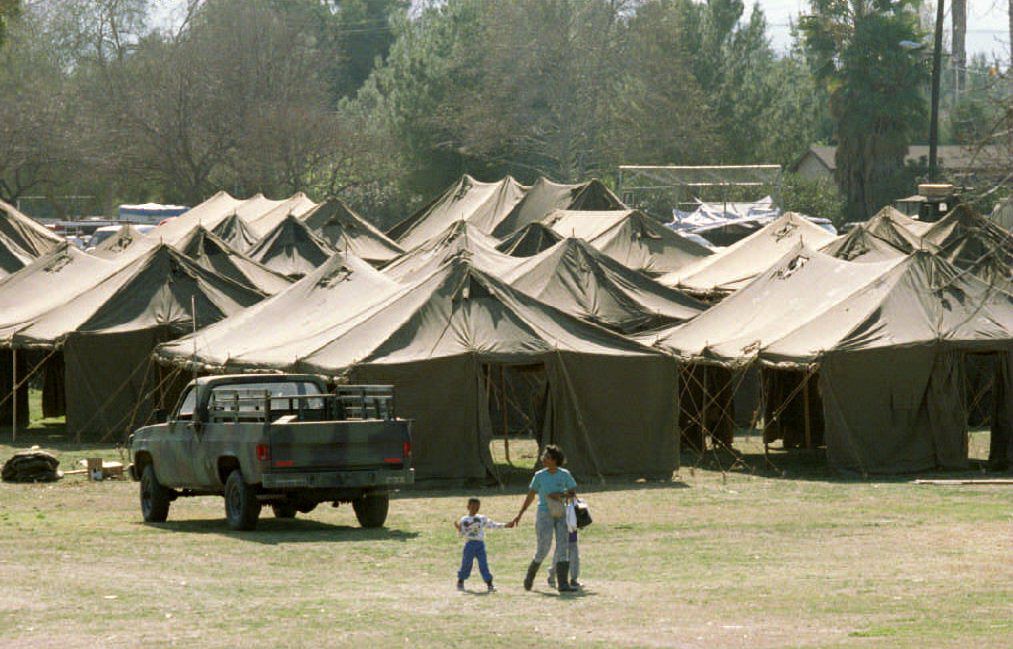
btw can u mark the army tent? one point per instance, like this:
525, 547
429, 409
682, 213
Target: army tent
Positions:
860, 245
735, 266
630, 237
898, 229
716, 347
127, 241
259, 336
441, 341
530, 240
44, 284
975, 244
215, 255
575, 278
107, 332
546, 196
12, 257
26, 233
891, 363
343, 229
483, 205
461, 237
298, 205
234, 231
208, 214
291, 249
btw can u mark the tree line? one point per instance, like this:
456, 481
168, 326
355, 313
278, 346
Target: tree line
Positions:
385, 102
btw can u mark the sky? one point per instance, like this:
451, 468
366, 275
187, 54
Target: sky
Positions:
987, 22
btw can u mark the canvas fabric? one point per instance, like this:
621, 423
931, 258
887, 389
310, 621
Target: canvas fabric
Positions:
735, 266
344, 230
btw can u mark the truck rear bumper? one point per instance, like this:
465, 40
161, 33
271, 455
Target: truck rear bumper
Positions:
335, 479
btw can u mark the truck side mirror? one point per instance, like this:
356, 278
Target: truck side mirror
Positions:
160, 415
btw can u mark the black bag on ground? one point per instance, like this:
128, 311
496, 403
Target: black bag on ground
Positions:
583, 514
31, 466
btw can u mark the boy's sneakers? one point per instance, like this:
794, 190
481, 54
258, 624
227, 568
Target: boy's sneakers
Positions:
576, 585
492, 589
460, 584
551, 581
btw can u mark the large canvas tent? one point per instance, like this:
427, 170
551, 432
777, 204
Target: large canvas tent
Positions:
234, 231
344, 230
716, 347
127, 241
732, 268
214, 254
26, 233
441, 341
209, 214
481, 204
976, 244
630, 237
576, 278
297, 205
42, 285
259, 337
546, 196
461, 237
530, 240
867, 356
291, 249
106, 333
891, 365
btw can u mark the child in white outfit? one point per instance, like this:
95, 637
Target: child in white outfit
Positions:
472, 527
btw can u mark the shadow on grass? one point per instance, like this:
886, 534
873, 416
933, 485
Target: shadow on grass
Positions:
274, 532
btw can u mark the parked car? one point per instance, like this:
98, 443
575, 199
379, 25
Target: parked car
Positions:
278, 440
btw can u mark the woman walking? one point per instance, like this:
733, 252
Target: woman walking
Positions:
554, 487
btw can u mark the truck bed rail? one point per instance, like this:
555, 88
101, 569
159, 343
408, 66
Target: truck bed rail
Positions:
347, 403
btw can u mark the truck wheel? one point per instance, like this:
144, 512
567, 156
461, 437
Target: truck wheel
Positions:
242, 509
371, 509
283, 510
155, 498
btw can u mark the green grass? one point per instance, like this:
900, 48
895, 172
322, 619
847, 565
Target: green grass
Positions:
745, 558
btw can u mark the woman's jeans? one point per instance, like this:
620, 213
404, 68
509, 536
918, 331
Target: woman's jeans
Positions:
547, 527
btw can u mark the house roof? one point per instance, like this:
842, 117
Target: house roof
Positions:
951, 156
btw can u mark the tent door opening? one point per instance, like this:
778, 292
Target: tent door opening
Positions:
518, 399
988, 393
793, 408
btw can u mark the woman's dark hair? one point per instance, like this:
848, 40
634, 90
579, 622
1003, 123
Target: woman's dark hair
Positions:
555, 453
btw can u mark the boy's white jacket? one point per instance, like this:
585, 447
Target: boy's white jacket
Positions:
473, 527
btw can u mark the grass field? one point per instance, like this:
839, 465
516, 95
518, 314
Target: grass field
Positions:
766, 555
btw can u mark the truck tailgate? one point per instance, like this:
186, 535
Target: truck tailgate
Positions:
338, 445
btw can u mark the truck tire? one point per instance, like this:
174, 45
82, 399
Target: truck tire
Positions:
283, 510
371, 509
242, 509
155, 498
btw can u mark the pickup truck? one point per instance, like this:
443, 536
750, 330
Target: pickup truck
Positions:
274, 439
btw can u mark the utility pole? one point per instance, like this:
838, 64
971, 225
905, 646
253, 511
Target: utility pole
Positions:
959, 13
937, 59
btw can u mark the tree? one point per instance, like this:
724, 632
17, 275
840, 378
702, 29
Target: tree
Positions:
874, 87
8, 10
37, 141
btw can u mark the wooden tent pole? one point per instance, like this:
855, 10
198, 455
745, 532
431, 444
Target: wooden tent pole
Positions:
805, 396
14, 394
503, 407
